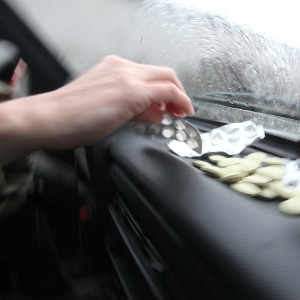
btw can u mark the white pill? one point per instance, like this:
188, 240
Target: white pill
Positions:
168, 132
268, 193
247, 188
283, 190
216, 158
295, 193
275, 172
181, 136
200, 163
166, 120
140, 128
213, 171
290, 206
233, 177
259, 156
260, 180
232, 169
154, 129
275, 161
249, 165
229, 162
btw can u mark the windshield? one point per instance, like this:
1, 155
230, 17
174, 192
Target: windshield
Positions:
237, 60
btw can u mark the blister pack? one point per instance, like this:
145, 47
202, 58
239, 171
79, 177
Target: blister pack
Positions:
189, 142
172, 127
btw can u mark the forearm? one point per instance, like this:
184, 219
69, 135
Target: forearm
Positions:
54, 121
21, 128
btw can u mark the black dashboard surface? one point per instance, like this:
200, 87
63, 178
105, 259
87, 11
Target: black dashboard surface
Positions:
247, 242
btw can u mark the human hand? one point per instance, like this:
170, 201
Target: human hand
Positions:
112, 93
117, 91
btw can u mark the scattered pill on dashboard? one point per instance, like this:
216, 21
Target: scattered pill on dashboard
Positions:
232, 169
275, 161
248, 165
275, 172
258, 179
256, 175
213, 171
247, 188
233, 177
216, 158
259, 156
268, 193
200, 163
290, 206
295, 193
281, 189
228, 162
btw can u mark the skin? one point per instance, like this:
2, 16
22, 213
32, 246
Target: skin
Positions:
112, 93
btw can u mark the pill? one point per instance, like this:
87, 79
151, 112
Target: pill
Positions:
268, 193
166, 120
233, 177
200, 163
181, 136
258, 179
283, 190
249, 165
168, 132
295, 193
192, 143
216, 158
140, 128
154, 129
290, 206
275, 161
232, 169
275, 172
228, 162
213, 171
247, 188
259, 156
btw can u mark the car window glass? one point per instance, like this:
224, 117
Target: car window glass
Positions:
236, 59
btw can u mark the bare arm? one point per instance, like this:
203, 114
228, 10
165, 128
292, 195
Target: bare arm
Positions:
91, 107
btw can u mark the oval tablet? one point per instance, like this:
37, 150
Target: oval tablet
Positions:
281, 189
259, 156
290, 206
229, 162
216, 158
249, 165
213, 171
200, 163
275, 172
247, 188
275, 161
232, 169
295, 193
268, 193
233, 177
258, 179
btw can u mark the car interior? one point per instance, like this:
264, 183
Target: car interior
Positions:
126, 218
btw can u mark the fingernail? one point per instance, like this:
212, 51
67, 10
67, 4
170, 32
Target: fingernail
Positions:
192, 113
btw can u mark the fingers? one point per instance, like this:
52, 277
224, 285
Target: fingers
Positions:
153, 73
171, 108
176, 100
152, 114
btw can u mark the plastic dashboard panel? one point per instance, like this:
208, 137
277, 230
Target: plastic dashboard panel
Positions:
214, 242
